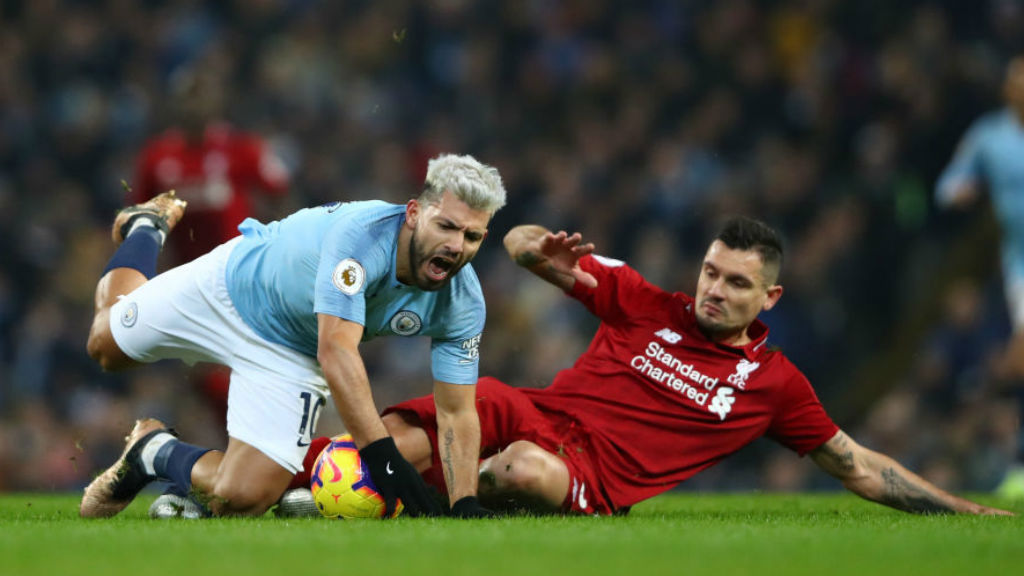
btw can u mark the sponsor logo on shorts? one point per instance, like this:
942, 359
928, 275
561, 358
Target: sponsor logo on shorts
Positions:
349, 276
406, 323
130, 315
579, 490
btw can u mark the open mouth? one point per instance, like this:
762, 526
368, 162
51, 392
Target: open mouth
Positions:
439, 267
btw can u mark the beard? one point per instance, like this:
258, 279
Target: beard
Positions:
419, 257
712, 327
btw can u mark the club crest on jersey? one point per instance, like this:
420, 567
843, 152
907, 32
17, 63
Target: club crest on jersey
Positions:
743, 369
130, 315
349, 276
406, 323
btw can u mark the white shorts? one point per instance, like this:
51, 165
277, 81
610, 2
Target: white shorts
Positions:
276, 393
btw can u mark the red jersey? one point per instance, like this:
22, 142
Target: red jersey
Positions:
660, 402
217, 177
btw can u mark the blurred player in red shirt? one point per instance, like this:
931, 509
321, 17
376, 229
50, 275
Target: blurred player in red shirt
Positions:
670, 385
224, 174
221, 172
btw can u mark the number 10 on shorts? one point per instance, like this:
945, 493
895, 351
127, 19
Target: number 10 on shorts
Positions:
310, 415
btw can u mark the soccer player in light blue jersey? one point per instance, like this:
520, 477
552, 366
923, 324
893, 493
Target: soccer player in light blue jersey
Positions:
991, 155
285, 305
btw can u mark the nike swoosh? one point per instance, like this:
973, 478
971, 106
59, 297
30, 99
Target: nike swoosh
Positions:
388, 469
299, 442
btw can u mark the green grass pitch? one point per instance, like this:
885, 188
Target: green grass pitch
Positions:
678, 533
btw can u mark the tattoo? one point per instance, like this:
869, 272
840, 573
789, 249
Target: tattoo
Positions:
446, 457
841, 455
902, 494
527, 259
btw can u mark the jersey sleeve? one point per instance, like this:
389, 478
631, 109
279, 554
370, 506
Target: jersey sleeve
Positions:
456, 360
351, 259
620, 289
455, 355
800, 422
965, 166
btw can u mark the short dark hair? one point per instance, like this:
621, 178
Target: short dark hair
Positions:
743, 233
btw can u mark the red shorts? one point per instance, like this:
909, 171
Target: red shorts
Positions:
508, 415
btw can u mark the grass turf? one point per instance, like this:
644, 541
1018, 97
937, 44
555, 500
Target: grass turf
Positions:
678, 533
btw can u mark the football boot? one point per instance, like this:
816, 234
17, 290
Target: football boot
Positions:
114, 489
165, 210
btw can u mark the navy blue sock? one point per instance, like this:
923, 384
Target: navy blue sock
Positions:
139, 251
174, 462
173, 488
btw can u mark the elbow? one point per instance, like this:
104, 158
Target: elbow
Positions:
511, 242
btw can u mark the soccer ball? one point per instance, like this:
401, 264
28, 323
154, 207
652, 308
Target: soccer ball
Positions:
341, 483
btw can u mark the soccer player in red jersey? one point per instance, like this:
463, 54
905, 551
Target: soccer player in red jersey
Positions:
670, 385
219, 170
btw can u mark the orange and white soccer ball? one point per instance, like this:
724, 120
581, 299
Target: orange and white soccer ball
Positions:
341, 483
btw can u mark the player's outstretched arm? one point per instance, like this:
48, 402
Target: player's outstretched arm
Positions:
879, 478
553, 257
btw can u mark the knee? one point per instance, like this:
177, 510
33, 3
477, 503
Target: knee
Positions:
104, 350
230, 499
521, 467
98, 346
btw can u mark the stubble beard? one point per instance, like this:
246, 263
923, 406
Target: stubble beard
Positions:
416, 260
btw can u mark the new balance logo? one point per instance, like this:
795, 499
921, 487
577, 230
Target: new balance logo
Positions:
668, 336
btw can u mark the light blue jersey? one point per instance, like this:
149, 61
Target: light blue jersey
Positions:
339, 259
992, 153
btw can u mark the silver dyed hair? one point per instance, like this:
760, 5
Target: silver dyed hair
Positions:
475, 183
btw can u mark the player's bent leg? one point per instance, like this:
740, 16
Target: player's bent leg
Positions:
138, 232
524, 475
101, 344
410, 438
242, 481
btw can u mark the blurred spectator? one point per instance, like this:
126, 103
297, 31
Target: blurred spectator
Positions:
220, 171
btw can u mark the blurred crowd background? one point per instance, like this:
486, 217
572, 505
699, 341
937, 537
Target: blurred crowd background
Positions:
641, 124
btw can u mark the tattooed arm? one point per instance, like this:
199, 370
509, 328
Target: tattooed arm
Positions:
879, 478
458, 437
